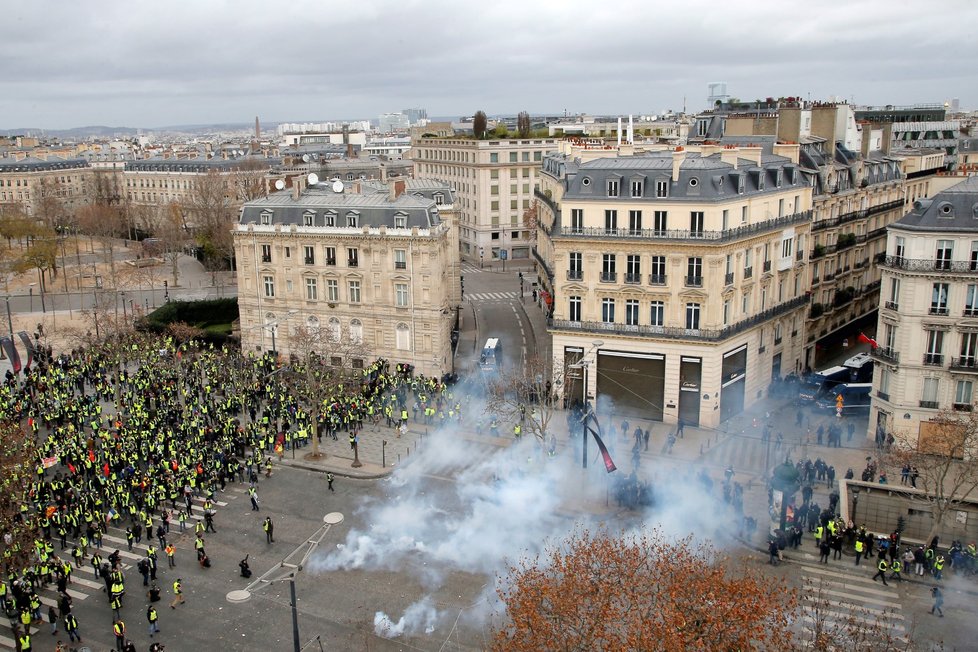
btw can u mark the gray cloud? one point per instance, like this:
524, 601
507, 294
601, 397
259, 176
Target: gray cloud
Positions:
140, 63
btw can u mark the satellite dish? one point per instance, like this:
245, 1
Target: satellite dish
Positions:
337, 186
312, 179
280, 185
305, 158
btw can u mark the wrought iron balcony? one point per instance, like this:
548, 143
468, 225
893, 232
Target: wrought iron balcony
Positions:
609, 277
970, 312
633, 278
575, 274
400, 264
885, 354
724, 235
938, 310
882, 395
694, 281
767, 265
928, 265
668, 332
891, 305
930, 405
934, 359
657, 279
728, 279
748, 272
965, 363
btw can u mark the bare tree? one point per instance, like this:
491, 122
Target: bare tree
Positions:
479, 124
104, 223
829, 624
49, 206
171, 229
525, 395
946, 457
523, 124
248, 180
322, 360
209, 209
18, 459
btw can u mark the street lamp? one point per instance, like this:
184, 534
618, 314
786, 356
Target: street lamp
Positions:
596, 344
244, 595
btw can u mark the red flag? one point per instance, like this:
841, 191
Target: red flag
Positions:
867, 340
105, 469
91, 455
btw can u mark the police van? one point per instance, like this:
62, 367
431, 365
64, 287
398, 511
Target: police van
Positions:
855, 397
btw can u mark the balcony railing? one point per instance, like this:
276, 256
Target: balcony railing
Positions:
928, 265
310, 261
961, 407
400, 264
575, 274
657, 279
856, 215
885, 354
934, 359
668, 332
938, 310
352, 262
882, 395
748, 272
767, 266
891, 305
609, 277
543, 264
687, 234
930, 405
965, 363
542, 196
970, 312
330, 261
633, 278
694, 281
728, 278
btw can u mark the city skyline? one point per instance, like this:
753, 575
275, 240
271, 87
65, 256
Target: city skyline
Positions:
134, 65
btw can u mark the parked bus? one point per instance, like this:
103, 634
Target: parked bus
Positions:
862, 367
816, 385
855, 397
491, 359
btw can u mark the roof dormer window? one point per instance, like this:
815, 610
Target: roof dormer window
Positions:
266, 219
439, 199
308, 219
945, 210
400, 220
353, 219
330, 218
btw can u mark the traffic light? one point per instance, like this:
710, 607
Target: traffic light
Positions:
521, 276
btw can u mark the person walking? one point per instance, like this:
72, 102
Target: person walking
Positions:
71, 626
53, 619
269, 530
170, 552
152, 617
329, 481
881, 570
896, 567
860, 547
253, 494
177, 594
938, 596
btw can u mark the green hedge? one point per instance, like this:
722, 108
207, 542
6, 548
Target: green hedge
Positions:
213, 316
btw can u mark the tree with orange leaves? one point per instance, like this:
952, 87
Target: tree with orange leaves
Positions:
640, 591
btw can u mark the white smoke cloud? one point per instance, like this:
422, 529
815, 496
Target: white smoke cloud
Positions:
418, 617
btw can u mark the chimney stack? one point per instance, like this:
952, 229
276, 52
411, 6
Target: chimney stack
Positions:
678, 156
631, 129
298, 185
619, 131
397, 188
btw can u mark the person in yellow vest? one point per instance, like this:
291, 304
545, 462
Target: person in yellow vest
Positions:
881, 571
860, 548
24, 641
896, 567
177, 594
517, 431
819, 531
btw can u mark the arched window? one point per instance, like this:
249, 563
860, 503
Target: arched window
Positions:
403, 337
334, 329
312, 324
356, 331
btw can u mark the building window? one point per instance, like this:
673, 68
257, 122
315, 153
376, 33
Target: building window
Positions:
962, 394
266, 253
352, 257
401, 295
694, 272
611, 222
329, 218
608, 268
612, 188
307, 219
403, 337
608, 311
692, 316
935, 347
969, 349
726, 312
309, 255
269, 283
974, 255
354, 288
787, 246
696, 224
894, 301
928, 394
885, 377
631, 312
330, 255
312, 291
439, 198
494, 158
400, 221
657, 313
634, 222
633, 269
577, 220
662, 188
637, 187
575, 271
513, 157
574, 308
356, 331
971, 301
333, 329
658, 270
659, 222
352, 220
725, 219
745, 303
944, 250
400, 259
332, 290
266, 219
938, 299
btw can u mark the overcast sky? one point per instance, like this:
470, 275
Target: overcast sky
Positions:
148, 64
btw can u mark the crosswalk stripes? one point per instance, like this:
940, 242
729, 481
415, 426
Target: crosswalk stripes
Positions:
490, 296
837, 593
84, 582
470, 268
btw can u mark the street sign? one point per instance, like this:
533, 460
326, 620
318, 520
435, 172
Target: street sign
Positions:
503, 254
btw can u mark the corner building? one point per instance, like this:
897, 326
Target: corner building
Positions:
927, 358
688, 267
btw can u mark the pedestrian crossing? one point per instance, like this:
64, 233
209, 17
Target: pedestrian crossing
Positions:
492, 296
471, 268
85, 584
839, 595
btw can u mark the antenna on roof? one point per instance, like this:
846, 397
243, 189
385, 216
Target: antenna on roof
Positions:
312, 179
280, 185
337, 186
